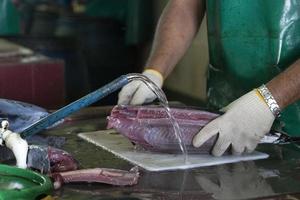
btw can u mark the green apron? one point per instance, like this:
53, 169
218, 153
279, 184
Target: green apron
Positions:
250, 42
9, 18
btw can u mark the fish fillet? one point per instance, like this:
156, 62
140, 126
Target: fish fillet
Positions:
151, 128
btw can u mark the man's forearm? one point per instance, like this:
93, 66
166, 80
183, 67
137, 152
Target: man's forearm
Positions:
286, 86
176, 29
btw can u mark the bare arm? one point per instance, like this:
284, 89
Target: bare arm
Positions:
286, 86
176, 29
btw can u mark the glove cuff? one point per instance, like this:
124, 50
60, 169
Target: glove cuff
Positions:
155, 76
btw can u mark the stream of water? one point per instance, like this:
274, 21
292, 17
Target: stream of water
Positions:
164, 102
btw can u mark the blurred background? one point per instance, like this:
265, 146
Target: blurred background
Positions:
53, 52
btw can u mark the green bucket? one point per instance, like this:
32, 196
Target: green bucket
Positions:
21, 184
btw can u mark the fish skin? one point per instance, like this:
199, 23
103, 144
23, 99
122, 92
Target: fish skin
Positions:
150, 127
48, 159
20, 114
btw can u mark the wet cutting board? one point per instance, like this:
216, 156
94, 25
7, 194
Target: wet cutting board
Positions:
117, 144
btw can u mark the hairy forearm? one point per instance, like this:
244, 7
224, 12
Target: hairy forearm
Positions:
286, 86
176, 29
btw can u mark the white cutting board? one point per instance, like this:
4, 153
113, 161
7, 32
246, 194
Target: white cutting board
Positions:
152, 161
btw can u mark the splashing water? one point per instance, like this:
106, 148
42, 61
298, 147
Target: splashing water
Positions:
164, 102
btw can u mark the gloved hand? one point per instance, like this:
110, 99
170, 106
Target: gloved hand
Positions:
245, 122
136, 92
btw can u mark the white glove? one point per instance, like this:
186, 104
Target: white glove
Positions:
136, 92
244, 124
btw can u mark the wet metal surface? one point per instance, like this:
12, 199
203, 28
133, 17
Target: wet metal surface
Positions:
277, 177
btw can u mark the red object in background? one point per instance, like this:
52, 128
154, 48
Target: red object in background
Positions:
39, 81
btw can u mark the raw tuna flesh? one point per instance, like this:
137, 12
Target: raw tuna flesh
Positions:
151, 128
